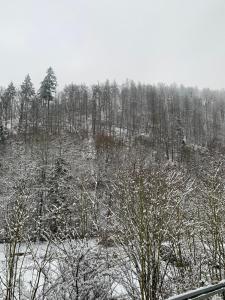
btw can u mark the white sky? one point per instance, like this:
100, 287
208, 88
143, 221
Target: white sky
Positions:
151, 41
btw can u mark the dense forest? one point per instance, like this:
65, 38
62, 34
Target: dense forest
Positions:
110, 191
165, 117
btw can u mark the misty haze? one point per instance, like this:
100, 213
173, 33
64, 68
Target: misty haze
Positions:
112, 150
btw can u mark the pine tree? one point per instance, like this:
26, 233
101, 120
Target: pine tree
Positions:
47, 90
48, 86
26, 95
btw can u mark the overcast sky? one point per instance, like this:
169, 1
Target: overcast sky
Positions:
151, 41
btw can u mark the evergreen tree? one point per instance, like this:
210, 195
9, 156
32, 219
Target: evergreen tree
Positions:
26, 95
47, 91
48, 86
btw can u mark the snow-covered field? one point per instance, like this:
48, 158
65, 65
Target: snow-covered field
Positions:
53, 271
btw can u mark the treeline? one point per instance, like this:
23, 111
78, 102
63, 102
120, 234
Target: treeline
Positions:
164, 117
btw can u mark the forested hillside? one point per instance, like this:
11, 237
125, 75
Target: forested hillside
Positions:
110, 191
166, 117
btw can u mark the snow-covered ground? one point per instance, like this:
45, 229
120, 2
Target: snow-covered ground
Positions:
43, 266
